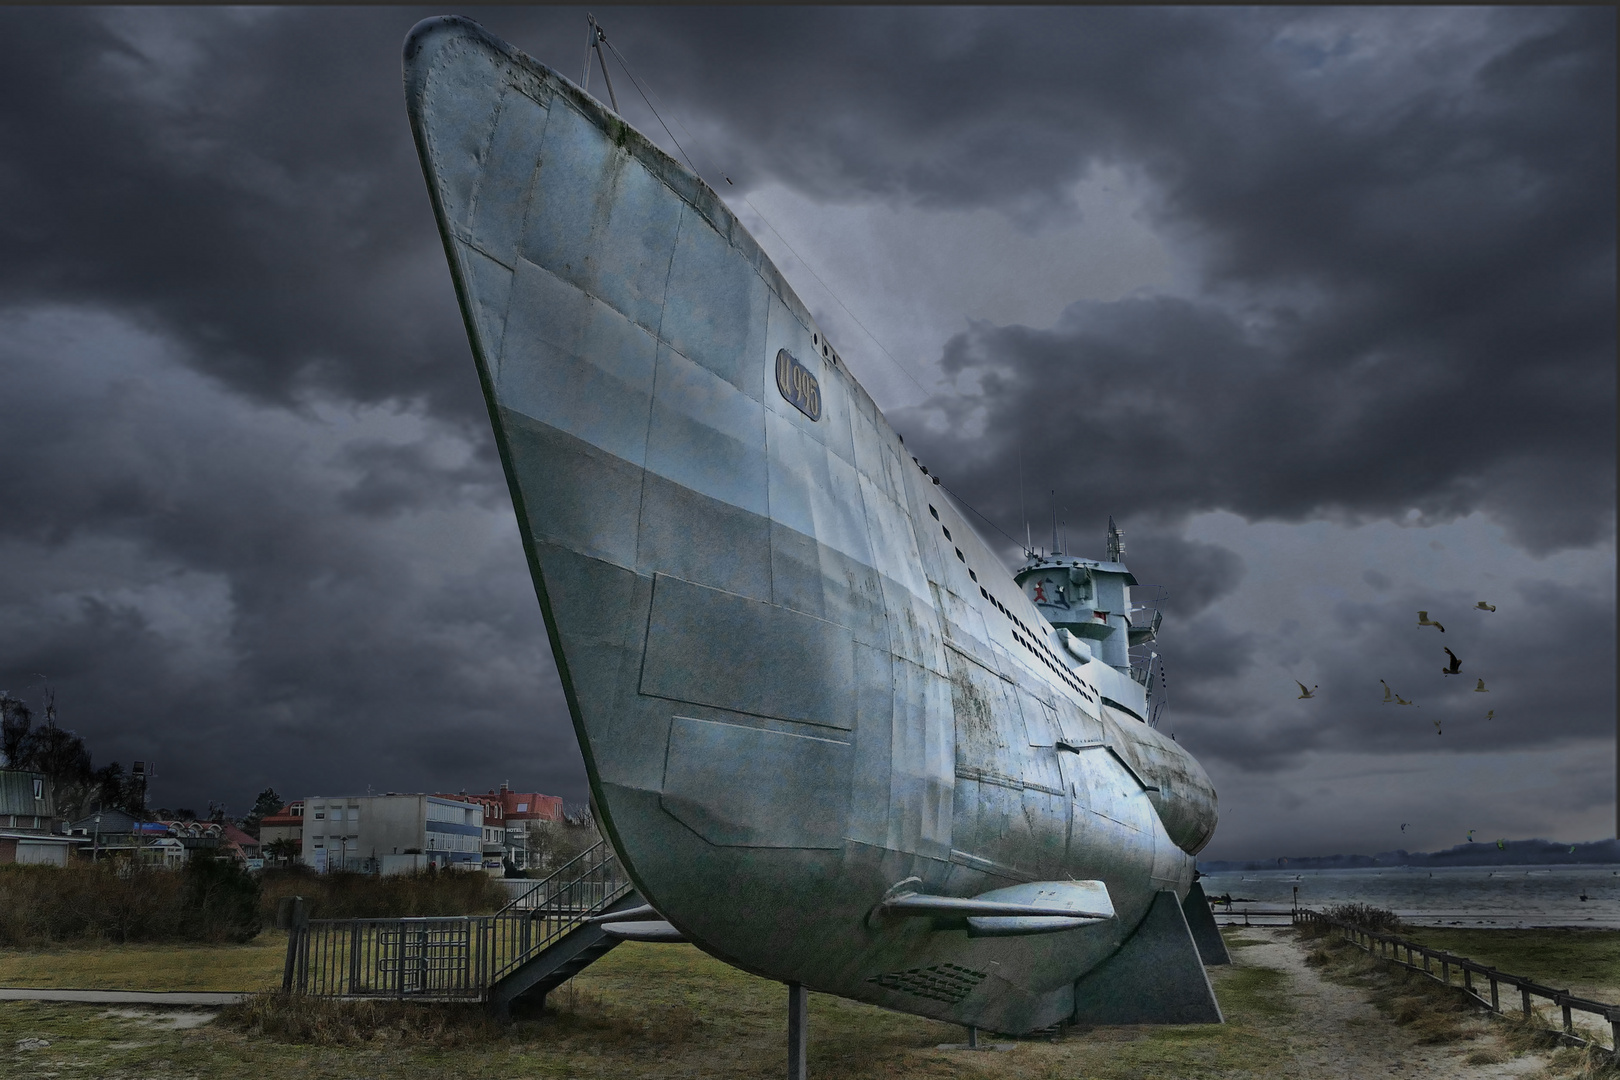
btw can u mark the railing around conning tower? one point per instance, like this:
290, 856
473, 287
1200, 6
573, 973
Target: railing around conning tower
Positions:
457, 957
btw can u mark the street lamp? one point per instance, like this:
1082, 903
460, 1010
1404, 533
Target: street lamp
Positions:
95, 843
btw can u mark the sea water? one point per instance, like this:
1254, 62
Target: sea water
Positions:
1472, 896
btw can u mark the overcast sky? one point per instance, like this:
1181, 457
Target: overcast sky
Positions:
1318, 303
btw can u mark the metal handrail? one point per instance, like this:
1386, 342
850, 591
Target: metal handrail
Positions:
588, 853
456, 957
1390, 946
602, 883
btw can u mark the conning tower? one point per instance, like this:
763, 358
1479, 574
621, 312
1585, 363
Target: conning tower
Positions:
1089, 599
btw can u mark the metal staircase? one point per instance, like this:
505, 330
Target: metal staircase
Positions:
558, 940
535, 943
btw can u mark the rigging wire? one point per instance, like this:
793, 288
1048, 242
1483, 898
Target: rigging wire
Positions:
902, 368
970, 506
644, 90
637, 84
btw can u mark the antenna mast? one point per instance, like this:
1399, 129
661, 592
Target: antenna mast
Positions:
1116, 541
1055, 549
1023, 507
598, 36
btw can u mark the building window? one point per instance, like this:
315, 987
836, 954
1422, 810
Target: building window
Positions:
39, 787
319, 815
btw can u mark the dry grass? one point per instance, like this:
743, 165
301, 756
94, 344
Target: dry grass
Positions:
296, 1018
1434, 1013
1431, 1012
115, 900
344, 895
641, 1011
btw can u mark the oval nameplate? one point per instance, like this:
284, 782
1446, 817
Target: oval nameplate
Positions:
798, 386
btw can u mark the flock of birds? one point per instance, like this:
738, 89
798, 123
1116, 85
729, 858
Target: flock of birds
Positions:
1453, 667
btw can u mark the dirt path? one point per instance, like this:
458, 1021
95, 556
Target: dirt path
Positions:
1335, 1033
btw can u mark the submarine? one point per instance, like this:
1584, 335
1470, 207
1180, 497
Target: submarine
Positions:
833, 741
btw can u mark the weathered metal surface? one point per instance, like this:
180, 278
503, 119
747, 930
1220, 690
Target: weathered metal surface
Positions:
797, 675
1157, 978
1201, 921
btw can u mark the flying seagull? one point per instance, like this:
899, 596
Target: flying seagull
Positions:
1424, 620
1404, 824
1389, 695
1480, 689
1437, 730
1455, 667
1304, 693
1483, 606
1490, 714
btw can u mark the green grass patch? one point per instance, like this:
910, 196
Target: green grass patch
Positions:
1257, 990
254, 966
1238, 941
1586, 962
643, 1010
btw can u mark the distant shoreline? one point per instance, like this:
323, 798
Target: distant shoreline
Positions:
1511, 853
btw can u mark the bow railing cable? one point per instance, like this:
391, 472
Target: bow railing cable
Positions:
981, 517
802, 262
625, 64
637, 84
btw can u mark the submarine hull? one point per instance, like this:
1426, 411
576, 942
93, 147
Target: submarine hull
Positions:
799, 678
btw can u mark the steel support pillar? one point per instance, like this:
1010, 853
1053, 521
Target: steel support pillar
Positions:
798, 1036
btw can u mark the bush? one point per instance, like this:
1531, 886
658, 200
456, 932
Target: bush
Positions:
211, 901
299, 1018
224, 898
347, 895
1365, 916
118, 901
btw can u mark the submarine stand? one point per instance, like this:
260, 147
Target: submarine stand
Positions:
798, 1037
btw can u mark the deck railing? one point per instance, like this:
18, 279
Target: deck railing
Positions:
450, 958
1411, 955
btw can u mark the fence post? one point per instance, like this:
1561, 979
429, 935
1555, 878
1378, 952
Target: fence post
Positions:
1525, 995
290, 968
304, 935
292, 915
354, 957
1496, 1006
399, 978
1445, 970
1568, 1026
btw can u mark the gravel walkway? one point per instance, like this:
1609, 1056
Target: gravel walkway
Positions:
1337, 1034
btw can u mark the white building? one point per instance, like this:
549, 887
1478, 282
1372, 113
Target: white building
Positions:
391, 833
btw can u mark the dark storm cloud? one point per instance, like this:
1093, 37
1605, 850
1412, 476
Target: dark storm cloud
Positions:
1406, 304
246, 181
250, 595
1402, 297
1541, 661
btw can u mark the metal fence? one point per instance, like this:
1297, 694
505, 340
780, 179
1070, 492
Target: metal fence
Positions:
1410, 954
450, 958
